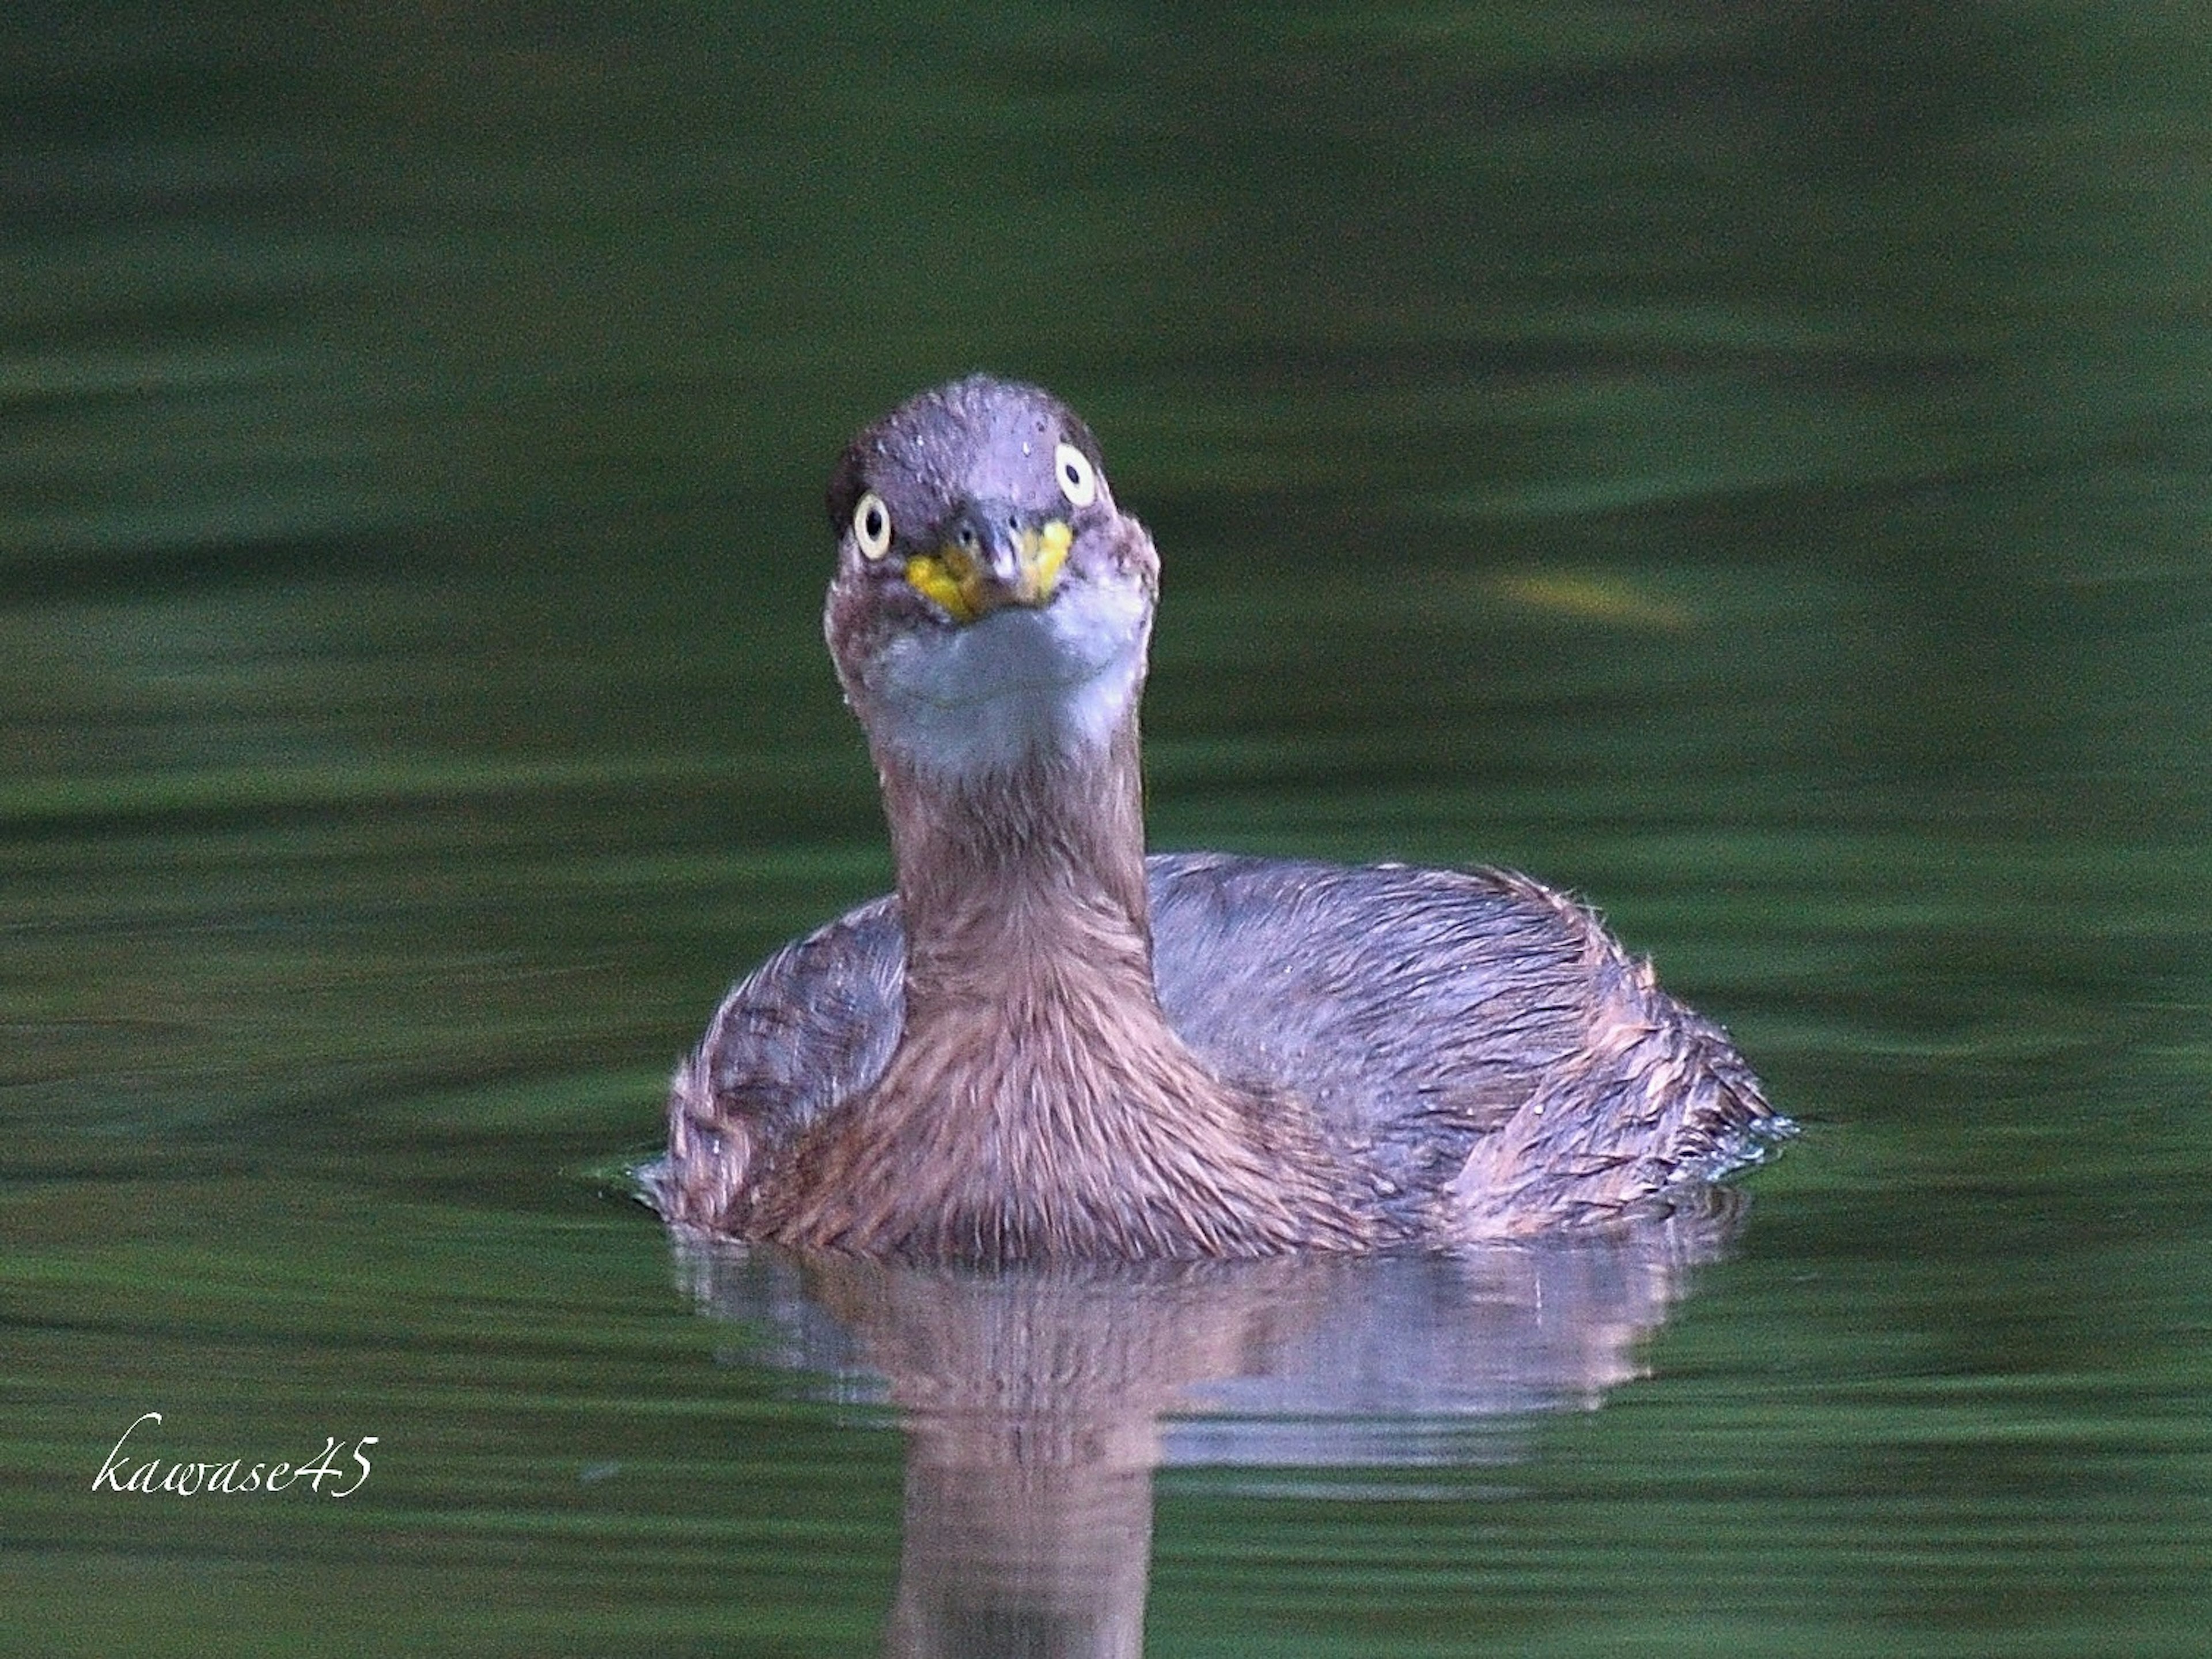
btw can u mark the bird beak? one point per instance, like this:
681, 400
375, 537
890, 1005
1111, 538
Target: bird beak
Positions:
991, 559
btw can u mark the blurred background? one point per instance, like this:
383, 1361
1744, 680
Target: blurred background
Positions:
1748, 463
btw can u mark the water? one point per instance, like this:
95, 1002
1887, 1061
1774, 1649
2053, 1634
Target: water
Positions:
1749, 465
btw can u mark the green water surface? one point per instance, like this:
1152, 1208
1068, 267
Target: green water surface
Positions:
1750, 464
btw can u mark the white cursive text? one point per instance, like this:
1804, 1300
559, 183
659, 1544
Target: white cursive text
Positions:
234, 1477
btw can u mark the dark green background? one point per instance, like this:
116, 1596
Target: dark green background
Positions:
1751, 464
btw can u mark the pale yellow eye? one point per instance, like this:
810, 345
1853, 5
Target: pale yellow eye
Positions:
872, 527
1078, 479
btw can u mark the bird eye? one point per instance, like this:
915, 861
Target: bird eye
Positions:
872, 527
1078, 479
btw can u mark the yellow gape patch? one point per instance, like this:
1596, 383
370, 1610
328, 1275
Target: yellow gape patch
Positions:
953, 579
932, 575
1050, 554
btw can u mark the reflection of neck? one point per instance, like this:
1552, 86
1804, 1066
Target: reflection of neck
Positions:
1019, 1557
1032, 1402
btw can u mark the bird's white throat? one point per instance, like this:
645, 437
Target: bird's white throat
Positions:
968, 703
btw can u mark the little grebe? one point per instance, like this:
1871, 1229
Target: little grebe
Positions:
1049, 1045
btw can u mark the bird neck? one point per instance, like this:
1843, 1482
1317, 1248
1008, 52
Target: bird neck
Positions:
1038, 1103
1017, 884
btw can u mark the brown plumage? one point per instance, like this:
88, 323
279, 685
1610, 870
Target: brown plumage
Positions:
1048, 1045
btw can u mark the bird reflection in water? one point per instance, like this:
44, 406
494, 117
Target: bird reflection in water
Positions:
1037, 1400
1099, 1162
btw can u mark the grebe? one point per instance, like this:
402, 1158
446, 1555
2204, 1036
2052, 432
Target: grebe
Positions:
1046, 1045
